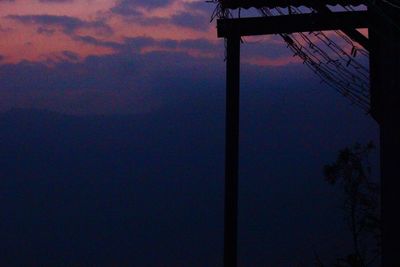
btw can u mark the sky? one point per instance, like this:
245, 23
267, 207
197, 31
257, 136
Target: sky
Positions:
112, 140
58, 46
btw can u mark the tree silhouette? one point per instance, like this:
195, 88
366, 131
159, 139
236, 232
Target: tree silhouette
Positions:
352, 173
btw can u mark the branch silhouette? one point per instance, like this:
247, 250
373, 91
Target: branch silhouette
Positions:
351, 172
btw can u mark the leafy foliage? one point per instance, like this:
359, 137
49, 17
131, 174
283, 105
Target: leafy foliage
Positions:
351, 172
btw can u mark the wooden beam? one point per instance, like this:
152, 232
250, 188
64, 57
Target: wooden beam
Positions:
354, 35
234, 4
291, 23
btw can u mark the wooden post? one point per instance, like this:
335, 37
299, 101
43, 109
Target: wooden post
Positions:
384, 36
231, 150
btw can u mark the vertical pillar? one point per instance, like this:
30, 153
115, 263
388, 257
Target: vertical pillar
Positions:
231, 150
390, 139
385, 92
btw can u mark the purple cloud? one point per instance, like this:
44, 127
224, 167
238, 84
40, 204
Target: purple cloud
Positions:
56, 1
200, 6
5, 30
45, 31
191, 20
71, 55
196, 21
129, 7
68, 24
96, 42
135, 44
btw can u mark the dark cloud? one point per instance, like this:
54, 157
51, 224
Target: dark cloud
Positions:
125, 10
200, 7
196, 17
148, 21
71, 55
54, 58
45, 31
56, 1
126, 82
68, 24
96, 42
129, 7
135, 44
200, 44
191, 20
5, 29
132, 15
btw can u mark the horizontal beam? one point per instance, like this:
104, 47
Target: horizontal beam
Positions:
352, 33
291, 23
234, 4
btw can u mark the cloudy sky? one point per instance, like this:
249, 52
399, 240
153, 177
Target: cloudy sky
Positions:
58, 54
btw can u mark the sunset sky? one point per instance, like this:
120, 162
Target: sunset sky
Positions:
55, 45
43, 30
112, 140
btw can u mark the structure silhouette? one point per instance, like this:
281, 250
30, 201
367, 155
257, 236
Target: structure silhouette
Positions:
377, 90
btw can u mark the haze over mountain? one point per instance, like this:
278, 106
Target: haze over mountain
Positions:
147, 189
